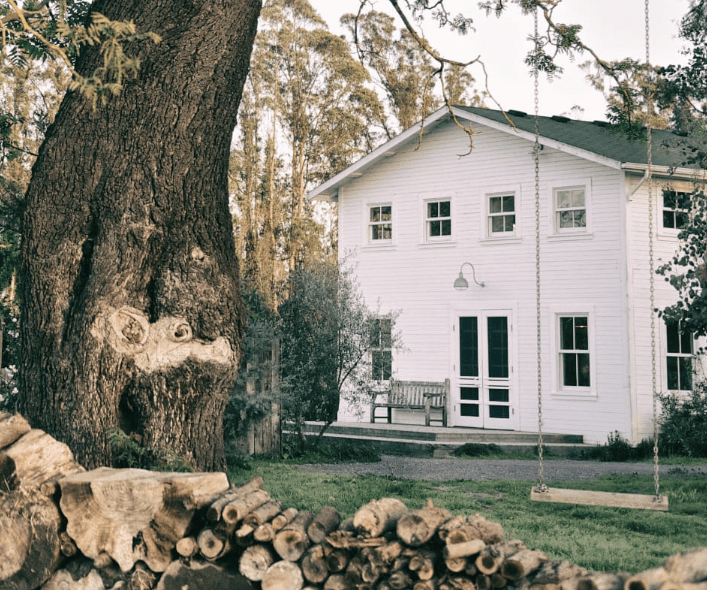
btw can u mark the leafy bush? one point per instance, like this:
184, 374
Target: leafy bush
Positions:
619, 449
477, 450
683, 423
129, 452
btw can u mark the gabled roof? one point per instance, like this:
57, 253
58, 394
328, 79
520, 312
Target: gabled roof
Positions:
592, 140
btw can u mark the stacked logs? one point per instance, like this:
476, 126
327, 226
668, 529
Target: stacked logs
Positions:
62, 528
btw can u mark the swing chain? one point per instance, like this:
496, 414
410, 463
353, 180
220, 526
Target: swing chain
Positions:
651, 256
541, 487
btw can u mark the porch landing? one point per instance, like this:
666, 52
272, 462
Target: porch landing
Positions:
415, 440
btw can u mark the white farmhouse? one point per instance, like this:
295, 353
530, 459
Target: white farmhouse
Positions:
422, 209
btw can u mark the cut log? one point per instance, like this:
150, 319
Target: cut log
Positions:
324, 522
282, 575
133, 514
214, 511
498, 581
187, 547
399, 580
455, 564
314, 565
12, 427
337, 582
30, 549
490, 559
255, 561
198, 576
263, 513
465, 549
601, 581
683, 586
244, 535
483, 582
348, 540
38, 458
489, 531
337, 560
386, 554
142, 578
649, 580
67, 546
212, 545
689, 566
63, 580
239, 507
102, 561
264, 533
283, 519
522, 564
379, 516
425, 585
555, 572
292, 541
419, 526
423, 564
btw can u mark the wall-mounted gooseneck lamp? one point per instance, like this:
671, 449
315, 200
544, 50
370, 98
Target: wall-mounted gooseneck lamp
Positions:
460, 283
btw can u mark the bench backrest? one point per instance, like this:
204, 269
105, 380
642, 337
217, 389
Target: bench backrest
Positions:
411, 392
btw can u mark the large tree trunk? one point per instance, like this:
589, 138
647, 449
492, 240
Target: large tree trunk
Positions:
131, 310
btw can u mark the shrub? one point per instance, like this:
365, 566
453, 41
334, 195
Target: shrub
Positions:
619, 449
683, 423
477, 450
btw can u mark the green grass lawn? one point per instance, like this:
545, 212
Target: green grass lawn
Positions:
598, 538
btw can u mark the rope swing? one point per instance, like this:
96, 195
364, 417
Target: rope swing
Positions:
541, 492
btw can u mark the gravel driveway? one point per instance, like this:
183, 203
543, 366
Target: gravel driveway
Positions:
451, 469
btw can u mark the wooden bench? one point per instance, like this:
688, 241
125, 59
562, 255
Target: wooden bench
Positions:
414, 395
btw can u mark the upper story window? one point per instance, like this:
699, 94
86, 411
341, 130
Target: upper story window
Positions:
570, 210
502, 215
381, 349
574, 351
438, 219
676, 209
380, 224
679, 357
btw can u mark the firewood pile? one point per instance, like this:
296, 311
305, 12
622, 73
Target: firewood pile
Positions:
63, 528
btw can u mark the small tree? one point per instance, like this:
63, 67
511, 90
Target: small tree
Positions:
327, 334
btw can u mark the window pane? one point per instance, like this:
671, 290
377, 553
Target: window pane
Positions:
508, 203
685, 364
497, 224
581, 334
564, 199
669, 219
566, 219
435, 228
375, 334
468, 347
469, 410
495, 205
386, 232
510, 222
386, 333
432, 210
669, 199
469, 393
673, 337
681, 219
381, 364
580, 218
386, 213
447, 227
673, 382
569, 369
578, 198
498, 395
498, 347
499, 412
375, 213
583, 378
686, 342
567, 333
445, 209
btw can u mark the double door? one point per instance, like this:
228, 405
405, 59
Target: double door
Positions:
483, 395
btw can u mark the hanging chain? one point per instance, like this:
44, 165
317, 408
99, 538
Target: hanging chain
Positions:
541, 487
651, 256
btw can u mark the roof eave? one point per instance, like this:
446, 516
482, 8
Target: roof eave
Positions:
665, 171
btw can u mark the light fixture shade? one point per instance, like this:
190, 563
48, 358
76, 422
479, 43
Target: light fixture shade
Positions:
460, 283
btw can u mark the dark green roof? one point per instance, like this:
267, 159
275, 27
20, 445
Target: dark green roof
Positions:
598, 137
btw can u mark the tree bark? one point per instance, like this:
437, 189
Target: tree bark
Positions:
131, 315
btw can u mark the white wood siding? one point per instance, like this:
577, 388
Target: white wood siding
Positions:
585, 273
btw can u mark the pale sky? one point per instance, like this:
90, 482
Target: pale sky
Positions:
613, 28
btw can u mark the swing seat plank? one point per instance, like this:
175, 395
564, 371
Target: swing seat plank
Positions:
591, 498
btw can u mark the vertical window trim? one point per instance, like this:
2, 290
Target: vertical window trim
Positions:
369, 241
427, 238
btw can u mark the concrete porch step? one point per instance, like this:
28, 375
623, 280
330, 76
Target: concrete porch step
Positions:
435, 441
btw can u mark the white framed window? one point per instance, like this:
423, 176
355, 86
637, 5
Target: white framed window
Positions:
570, 209
679, 357
501, 221
676, 209
380, 224
438, 220
382, 348
574, 357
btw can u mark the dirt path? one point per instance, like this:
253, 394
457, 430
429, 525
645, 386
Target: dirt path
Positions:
452, 469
